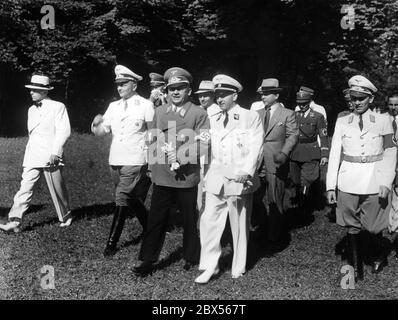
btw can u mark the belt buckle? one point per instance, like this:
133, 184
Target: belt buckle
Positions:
363, 159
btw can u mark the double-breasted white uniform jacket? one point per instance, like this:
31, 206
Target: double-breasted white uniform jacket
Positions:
237, 147
374, 139
48, 128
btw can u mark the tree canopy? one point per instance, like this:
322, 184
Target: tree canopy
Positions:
300, 42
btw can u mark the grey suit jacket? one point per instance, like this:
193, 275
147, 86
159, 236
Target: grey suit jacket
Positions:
281, 136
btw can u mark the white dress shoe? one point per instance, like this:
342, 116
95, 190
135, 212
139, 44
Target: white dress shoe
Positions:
11, 226
206, 275
67, 223
236, 276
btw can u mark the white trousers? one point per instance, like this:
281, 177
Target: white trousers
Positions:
212, 225
56, 186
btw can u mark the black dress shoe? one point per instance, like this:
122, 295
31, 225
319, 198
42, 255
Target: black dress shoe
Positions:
144, 268
109, 251
188, 265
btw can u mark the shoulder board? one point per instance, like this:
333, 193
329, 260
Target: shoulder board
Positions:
183, 112
214, 114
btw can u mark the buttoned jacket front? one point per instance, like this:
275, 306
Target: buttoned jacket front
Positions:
280, 136
181, 129
48, 128
311, 125
235, 148
366, 177
129, 130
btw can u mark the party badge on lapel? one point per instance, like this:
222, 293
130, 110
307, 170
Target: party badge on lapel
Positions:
236, 116
372, 118
183, 112
136, 102
350, 119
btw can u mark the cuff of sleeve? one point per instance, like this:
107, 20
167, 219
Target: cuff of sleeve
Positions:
57, 151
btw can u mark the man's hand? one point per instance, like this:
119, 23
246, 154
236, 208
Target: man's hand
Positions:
98, 119
280, 158
242, 177
171, 156
383, 192
324, 161
331, 196
96, 128
54, 160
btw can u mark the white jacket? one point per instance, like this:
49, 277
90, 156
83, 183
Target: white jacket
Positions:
48, 128
234, 148
361, 178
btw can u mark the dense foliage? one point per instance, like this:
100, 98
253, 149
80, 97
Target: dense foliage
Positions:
298, 41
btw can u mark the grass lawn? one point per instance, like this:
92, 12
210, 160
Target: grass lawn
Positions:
307, 269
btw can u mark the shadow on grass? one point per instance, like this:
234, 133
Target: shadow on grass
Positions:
173, 257
93, 211
366, 247
88, 212
32, 208
259, 247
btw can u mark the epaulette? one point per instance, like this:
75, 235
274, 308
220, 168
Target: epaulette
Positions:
214, 114
183, 112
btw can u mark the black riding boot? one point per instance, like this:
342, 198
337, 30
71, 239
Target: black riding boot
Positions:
354, 255
379, 259
116, 230
297, 196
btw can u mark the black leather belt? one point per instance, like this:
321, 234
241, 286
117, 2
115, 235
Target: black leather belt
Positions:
307, 140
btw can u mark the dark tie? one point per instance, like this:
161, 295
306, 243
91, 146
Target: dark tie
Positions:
360, 122
38, 103
225, 119
266, 120
394, 125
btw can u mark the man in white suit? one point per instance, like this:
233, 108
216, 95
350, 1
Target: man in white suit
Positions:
49, 128
236, 142
364, 179
206, 97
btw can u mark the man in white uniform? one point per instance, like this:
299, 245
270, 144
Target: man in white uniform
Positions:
364, 179
48, 128
128, 119
236, 142
206, 98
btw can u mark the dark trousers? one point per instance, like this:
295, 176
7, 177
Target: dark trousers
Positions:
304, 174
162, 199
275, 221
131, 188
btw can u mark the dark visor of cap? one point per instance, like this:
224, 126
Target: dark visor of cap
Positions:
221, 86
40, 85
